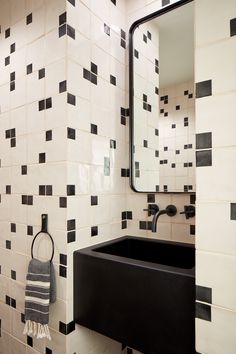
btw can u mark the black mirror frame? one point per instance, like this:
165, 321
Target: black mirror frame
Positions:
131, 86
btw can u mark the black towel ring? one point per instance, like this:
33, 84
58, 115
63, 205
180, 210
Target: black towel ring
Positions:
44, 229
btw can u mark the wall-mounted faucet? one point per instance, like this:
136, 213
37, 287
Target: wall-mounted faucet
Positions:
170, 210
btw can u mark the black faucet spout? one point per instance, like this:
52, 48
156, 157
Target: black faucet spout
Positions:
170, 210
155, 219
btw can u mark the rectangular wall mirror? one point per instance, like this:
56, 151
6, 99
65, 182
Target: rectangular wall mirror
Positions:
162, 101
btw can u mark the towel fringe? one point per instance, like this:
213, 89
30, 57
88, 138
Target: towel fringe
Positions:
38, 330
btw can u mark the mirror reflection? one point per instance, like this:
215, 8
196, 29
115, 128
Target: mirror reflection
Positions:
163, 133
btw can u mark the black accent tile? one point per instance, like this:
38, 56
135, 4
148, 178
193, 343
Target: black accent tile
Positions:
12, 48
62, 30
192, 227
71, 133
70, 189
233, 27
62, 271
122, 34
203, 294
49, 102
29, 19
94, 200
71, 99
42, 157
7, 60
8, 300
203, 311
66, 328
177, 107
24, 199
13, 274
22, 317
94, 231
29, 230
113, 2
72, 2
12, 85
129, 215
47, 350
30, 341
151, 198
41, 73
142, 225
62, 19
29, 69
62, 86
203, 158
123, 43
71, 225
173, 165
30, 200
165, 2
123, 215
94, 79
24, 170
63, 259
8, 189
192, 198
71, 236
203, 88
123, 224
112, 144
41, 105
136, 53
13, 142
129, 351
49, 190
42, 190
203, 141
70, 31
86, 74
63, 202
173, 126
48, 135
94, 68
113, 80
232, 211
7, 32
13, 227
107, 29
186, 93
12, 76
145, 38
149, 35
13, 303
93, 129
145, 143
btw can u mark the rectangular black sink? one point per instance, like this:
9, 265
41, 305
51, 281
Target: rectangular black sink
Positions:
140, 292
170, 254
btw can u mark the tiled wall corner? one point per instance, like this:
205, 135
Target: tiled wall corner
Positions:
216, 151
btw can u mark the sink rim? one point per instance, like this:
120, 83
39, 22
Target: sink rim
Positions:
92, 252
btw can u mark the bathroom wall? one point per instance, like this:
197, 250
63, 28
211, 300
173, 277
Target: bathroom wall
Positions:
64, 151
216, 195
33, 168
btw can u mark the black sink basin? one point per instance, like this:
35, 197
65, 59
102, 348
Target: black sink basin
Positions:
171, 254
140, 292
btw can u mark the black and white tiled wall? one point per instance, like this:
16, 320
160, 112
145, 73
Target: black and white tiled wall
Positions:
70, 160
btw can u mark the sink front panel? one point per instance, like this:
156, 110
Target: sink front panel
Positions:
143, 305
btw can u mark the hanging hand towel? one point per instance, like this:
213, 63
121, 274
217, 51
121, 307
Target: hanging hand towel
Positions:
40, 291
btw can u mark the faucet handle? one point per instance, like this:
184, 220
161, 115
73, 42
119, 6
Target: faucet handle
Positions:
189, 211
152, 209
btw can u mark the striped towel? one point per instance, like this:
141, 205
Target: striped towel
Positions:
40, 291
